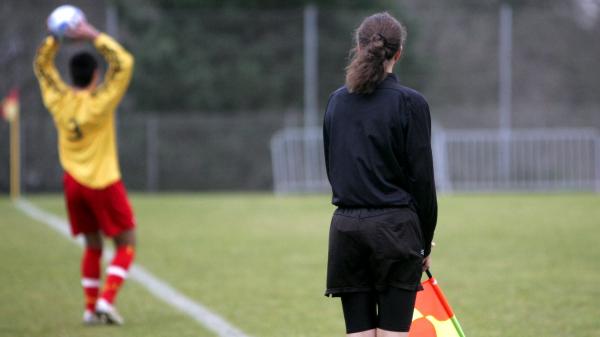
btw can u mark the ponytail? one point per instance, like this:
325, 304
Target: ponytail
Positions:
379, 37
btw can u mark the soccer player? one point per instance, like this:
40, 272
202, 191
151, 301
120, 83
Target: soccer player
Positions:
96, 199
379, 164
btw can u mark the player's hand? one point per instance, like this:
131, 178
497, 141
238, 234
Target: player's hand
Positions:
83, 31
426, 262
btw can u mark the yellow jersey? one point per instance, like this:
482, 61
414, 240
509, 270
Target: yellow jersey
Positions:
85, 119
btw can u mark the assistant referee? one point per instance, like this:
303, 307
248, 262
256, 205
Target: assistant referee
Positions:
377, 138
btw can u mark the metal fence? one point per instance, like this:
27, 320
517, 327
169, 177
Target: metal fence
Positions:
199, 115
160, 153
465, 160
524, 160
298, 161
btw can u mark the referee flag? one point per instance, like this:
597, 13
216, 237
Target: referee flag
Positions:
433, 316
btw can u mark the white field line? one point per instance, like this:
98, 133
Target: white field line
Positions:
157, 287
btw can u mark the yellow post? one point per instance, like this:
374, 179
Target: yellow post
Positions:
9, 109
15, 158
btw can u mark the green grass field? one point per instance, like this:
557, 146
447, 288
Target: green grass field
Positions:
511, 265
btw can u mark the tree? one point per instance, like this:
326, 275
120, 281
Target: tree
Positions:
236, 59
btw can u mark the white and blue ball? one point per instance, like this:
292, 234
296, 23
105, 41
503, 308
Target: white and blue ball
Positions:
63, 19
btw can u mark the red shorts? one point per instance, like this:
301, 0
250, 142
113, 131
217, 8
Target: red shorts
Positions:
90, 209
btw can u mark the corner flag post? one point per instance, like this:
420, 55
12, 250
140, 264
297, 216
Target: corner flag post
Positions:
10, 111
15, 158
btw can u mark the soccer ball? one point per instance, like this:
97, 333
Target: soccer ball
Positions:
64, 18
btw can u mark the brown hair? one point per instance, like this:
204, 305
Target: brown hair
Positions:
378, 38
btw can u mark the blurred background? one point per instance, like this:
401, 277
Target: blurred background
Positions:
229, 95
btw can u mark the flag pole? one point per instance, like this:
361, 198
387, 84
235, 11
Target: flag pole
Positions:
445, 304
15, 158
9, 109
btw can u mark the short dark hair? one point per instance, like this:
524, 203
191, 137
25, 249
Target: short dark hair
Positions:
82, 67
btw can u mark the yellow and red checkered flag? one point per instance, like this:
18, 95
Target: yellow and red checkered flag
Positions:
433, 316
10, 106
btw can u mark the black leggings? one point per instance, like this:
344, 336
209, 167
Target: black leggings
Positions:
390, 310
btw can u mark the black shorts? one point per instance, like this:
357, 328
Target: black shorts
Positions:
373, 249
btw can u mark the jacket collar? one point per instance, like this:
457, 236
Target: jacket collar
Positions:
391, 77
390, 81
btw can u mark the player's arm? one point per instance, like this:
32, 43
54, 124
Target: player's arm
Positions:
118, 75
51, 85
420, 162
120, 64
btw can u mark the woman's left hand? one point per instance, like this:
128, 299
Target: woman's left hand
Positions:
427, 262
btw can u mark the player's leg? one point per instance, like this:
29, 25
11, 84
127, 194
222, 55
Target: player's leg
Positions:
115, 277
117, 221
395, 312
119, 266
385, 333
360, 313
368, 333
83, 221
90, 274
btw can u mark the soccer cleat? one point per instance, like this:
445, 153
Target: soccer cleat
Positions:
90, 318
107, 313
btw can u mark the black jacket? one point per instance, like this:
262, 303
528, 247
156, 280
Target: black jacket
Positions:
378, 151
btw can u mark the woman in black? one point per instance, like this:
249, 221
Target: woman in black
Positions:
379, 163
